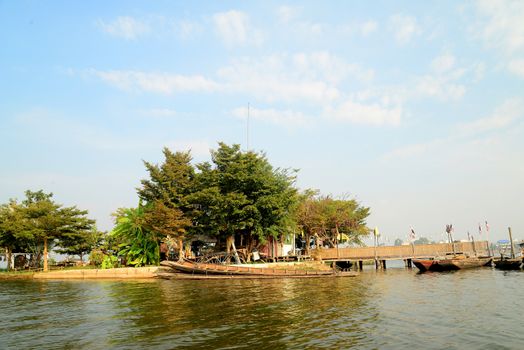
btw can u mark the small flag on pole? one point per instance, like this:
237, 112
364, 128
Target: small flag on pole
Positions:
412, 234
487, 226
480, 230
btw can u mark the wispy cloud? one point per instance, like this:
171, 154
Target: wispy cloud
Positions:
404, 28
517, 67
501, 24
368, 114
125, 27
235, 28
163, 83
504, 116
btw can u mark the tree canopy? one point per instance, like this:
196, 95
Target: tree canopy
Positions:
38, 222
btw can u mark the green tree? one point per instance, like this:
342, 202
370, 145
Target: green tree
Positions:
45, 222
422, 240
398, 241
331, 220
10, 223
80, 241
241, 195
168, 211
140, 244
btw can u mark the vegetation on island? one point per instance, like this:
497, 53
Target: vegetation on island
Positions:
238, 196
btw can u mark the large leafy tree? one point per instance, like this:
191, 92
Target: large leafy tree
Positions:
167, 210
44, 222
10, 224
240, 194
80, 241
331, 220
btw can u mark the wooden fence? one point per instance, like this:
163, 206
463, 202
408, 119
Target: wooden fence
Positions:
404, 251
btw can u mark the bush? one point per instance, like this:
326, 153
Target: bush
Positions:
96, 257
109, 262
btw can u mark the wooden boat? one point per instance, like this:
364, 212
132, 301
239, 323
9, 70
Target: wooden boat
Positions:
453, 263
508, 263
193, 268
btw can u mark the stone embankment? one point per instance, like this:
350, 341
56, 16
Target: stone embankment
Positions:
118, 273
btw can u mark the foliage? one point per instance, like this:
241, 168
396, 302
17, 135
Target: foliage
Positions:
109, 262
38, 222
398, 241
241, 194
139, 244
96, 257
331, 220
422, 240
80, 242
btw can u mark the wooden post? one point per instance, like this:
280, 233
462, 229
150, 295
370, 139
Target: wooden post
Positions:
384, 264
361, 265
475, 248
511, 242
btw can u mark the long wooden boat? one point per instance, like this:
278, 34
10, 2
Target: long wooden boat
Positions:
508, 263
448, 264
193, 268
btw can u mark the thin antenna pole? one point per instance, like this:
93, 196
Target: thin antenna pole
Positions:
247, 131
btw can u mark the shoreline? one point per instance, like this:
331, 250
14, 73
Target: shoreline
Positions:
84, 274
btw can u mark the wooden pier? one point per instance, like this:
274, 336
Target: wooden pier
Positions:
379, 255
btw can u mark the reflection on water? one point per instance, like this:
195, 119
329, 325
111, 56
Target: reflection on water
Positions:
393, 309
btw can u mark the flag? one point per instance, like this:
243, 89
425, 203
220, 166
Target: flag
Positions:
487, 226
412, 234
469, 236
480, 230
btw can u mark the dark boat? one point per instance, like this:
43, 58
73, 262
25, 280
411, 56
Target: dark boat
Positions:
511, 263
453, 263
193, 268
508, 263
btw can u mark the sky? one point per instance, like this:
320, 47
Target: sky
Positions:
415, 109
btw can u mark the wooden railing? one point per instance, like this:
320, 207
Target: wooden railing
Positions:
404, 251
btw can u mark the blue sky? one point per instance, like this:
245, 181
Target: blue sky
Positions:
414, 108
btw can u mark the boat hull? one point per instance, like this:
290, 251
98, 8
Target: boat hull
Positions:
450, 264
508, 264
192, 268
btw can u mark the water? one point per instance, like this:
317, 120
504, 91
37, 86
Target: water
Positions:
395, 309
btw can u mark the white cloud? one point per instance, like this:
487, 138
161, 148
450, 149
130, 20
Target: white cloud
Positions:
517, 67
504, 116
370, 114
439, 87
163, 83
501, 24
368, 27
404, 27
312, 78
286, 13
124, 27
234, 28
186, 29
279, 117
443, 63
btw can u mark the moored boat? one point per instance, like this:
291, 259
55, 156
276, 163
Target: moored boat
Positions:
508, 263
193, 268
449, 264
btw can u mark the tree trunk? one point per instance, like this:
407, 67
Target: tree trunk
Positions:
180, 250
46, 268
82, 258
308, 238
8, 257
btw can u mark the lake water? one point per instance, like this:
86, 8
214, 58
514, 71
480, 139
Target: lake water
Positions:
395, 309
